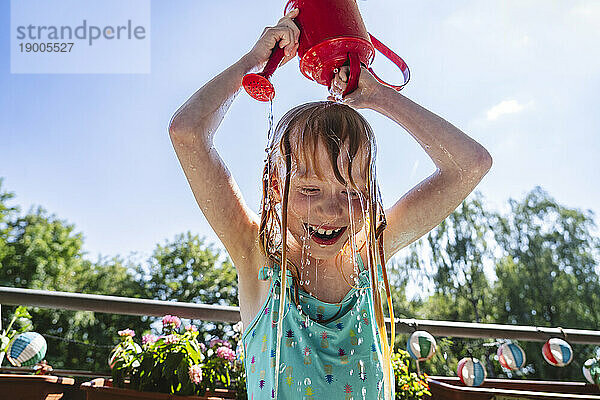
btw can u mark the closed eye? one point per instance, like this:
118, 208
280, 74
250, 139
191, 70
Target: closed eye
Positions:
309, 191
352, 193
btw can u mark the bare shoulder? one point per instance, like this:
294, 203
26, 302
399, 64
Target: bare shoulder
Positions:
252, 292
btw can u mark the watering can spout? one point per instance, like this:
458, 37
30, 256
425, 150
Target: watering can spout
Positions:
258, 85
332, 34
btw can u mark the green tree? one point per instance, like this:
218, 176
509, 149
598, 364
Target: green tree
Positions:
450, 264
548, 274
459, 248
39, 251
188, 270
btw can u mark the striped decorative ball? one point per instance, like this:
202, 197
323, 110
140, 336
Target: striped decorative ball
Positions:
557, 352
511, 356
28, 348
421, 345
471, 372
587, 366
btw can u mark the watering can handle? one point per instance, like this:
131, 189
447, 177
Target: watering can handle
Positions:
275, 58
354, 66
393, 57
354, 73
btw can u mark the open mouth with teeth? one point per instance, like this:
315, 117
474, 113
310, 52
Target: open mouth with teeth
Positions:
324, 236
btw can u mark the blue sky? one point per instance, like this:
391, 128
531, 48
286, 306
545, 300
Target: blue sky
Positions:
521, 78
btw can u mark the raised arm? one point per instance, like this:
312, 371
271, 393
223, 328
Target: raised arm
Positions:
461, 162
192, 130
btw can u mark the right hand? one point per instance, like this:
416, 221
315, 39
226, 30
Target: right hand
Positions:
285, 32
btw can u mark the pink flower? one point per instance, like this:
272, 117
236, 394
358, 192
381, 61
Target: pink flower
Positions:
126, 332
195, 373
203, 346
170, 339
171, 321
191, 328
149, 339
226, 353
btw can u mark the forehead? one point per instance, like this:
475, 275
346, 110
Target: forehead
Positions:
317, 164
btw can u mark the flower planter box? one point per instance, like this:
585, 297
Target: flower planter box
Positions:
38, 387
101, 389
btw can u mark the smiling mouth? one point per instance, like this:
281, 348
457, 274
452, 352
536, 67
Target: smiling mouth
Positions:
324, 236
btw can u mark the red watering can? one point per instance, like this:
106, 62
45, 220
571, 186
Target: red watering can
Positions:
332, 34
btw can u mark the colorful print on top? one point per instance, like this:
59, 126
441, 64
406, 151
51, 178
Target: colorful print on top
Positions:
339, 358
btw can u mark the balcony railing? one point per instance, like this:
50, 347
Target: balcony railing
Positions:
209, 312
441, 387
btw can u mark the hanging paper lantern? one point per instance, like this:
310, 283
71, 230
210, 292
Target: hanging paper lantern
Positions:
119, 351
557, 352
511, 356
28, 348
587, 367
471, 371
421, 345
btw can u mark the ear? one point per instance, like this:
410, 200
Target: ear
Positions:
274, 186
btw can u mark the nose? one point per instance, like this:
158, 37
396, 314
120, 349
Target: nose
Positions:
330, 209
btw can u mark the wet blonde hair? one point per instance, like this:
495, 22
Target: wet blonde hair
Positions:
294, 141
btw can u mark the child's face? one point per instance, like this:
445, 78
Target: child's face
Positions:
323, 213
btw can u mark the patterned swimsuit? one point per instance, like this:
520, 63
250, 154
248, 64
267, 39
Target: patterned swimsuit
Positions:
328, 350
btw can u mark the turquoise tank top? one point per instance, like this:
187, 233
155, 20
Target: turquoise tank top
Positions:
327, 349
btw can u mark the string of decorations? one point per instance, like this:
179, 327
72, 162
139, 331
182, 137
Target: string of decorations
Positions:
421, 346
30, 348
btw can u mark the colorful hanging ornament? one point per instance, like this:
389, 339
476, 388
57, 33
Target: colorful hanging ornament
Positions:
28, 348
557, 352
511, 356
471, 371
588, 365
421, 345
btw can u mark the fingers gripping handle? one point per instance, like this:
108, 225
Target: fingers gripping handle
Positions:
393, 57
274, 60
258, 85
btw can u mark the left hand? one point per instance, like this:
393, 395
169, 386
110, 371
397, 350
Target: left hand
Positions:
363, 95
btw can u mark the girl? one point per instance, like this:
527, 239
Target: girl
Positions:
322, 238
